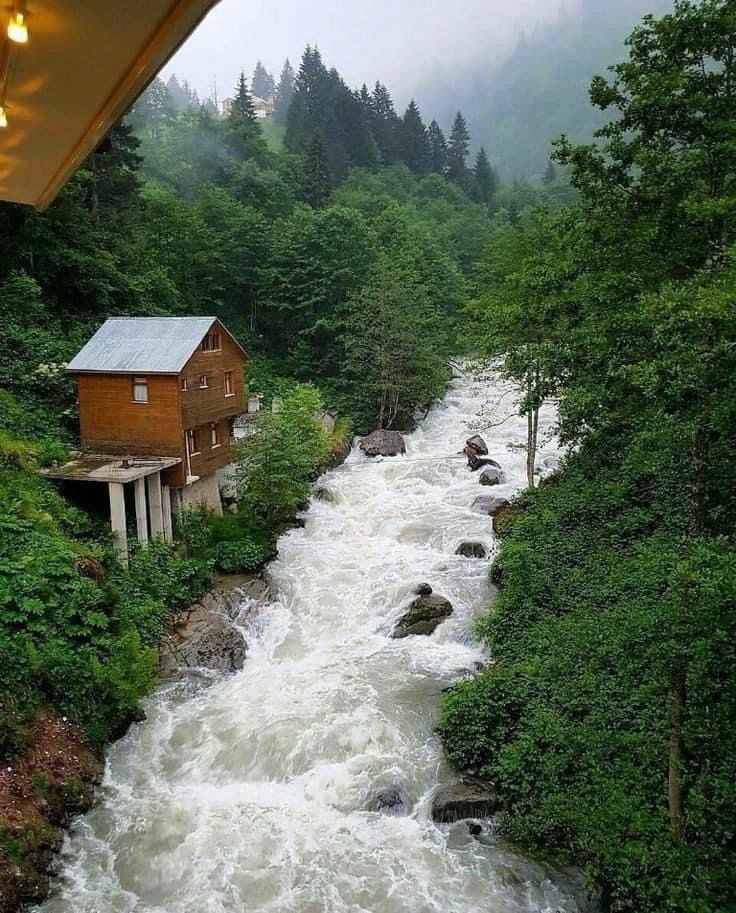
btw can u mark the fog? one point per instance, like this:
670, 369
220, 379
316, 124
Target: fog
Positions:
401, 43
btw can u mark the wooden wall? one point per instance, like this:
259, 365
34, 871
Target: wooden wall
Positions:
110, 422
200, 406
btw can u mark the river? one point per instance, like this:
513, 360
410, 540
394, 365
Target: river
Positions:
250, 794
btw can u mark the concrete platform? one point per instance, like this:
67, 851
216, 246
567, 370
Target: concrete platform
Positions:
95, 467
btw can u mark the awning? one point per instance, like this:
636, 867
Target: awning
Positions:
85, 63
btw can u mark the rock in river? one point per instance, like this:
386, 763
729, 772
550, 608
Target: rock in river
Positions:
383, 443
391, 800
491, 475
477, 444
466, 798
423, 616
488, 505
423, 589
471, 550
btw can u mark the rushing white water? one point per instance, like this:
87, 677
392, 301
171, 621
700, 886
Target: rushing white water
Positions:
250, 794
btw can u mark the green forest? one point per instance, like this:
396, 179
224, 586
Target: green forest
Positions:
607, 719
354, 251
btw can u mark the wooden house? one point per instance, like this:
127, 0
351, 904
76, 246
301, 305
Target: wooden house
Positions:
162, 387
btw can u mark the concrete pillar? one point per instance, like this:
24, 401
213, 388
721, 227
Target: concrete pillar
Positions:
168, 526
141, 521
117, 521
155, 504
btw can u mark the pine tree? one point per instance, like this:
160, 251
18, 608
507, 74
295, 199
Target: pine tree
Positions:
242, 112
415, 148
309, 106
457, 153
262, 83
550, 175
385, 124
284, 93
485, 182
437, 149
316, 187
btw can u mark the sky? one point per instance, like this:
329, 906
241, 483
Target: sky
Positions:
400, 42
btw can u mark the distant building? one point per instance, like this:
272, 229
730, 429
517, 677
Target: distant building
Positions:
263, 107
157, 400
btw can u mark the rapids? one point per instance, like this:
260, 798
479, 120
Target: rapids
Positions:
249, 792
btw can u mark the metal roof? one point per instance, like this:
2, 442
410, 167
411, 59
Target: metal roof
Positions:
145, 345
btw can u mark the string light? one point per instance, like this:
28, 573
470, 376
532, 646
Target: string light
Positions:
17, 28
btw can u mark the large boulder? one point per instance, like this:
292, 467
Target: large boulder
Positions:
488, 505
477, 444
465, 798
424, 615
471, 550
391, 800
491, 475
383, 443
476, 462
205, 636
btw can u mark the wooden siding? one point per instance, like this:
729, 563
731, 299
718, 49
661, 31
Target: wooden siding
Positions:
110, 422
209, 458
200, 406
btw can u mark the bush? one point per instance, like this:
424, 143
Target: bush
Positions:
241, 557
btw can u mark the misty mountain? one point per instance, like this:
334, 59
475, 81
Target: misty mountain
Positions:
517, 107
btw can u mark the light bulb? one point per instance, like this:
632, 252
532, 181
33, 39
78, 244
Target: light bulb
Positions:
17, 28
3, 117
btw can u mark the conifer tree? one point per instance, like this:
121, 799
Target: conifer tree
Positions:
485, 182
437, 149
242, 112
262, 83
385, 124
457, 153
284, 93
415, 149
316, 187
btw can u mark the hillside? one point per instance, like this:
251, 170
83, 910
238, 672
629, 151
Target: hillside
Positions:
541, 90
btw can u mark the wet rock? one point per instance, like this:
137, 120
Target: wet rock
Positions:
491, 475
391, 800
500, 518
471, 550
465, 798
383, 443
425, 614
423, 589
204, 636
474, 829
476, 462
488, 505
322, 493
477, 444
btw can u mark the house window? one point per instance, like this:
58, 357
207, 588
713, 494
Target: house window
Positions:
192, 443
214, 435
229, 389
203, 381
140, 390
211, 343
184, 384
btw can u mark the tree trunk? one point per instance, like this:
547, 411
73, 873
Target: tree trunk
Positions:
677, 713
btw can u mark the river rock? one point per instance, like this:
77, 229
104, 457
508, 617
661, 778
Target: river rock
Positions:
465, 798
391, 800
476, 462
477, 444
205, 636
423, 589
425, 614
323, 493
471, 550
488, 505
383, 443
491, 475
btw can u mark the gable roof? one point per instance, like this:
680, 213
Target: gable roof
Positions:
143, 345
